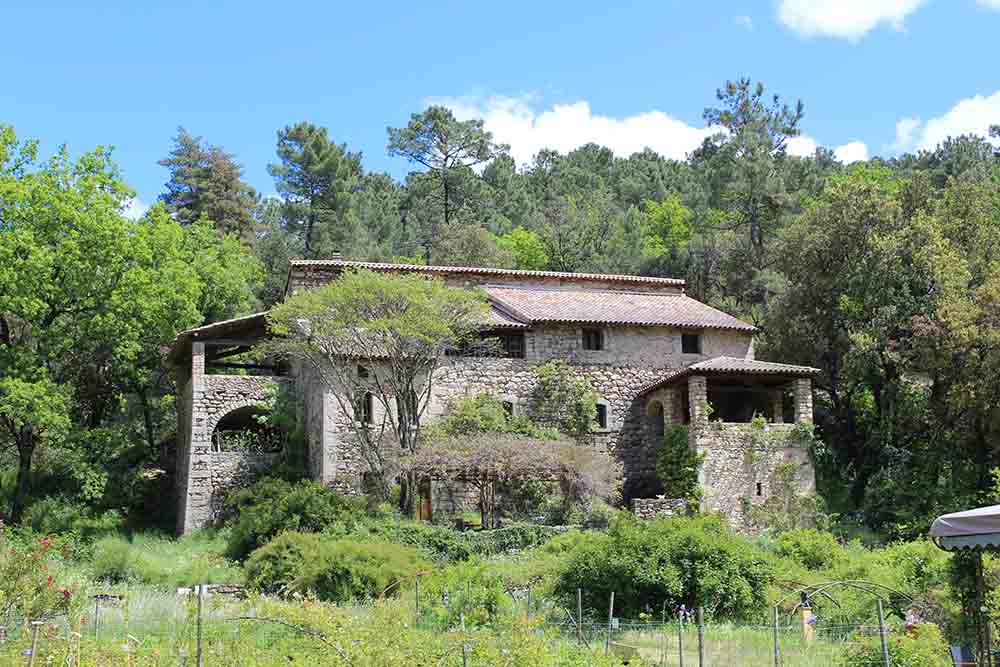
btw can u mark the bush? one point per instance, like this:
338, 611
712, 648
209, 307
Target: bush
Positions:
690, 561
510, 539
331, 569
162, 561
677, 464
923, 646
55, 515
269, 507
811, 548
27, 590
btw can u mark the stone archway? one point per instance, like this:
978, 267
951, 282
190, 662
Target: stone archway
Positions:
655, 424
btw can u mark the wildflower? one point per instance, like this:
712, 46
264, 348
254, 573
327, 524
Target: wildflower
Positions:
65, 593
45, 542
50, 580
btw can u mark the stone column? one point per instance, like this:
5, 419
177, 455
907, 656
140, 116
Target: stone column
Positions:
777, 405
698, 399
669, 399
803, 400
196, 493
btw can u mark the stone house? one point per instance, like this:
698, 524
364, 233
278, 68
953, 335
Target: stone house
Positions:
656, 357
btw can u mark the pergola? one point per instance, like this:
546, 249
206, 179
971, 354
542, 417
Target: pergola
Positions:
977, 531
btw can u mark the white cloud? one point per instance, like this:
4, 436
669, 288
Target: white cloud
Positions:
135, 208
973, 115
849, 19
906, 133
801, 146
991, 4
805, 146
565, 127
854, 151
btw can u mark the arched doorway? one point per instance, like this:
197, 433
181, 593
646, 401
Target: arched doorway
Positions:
246, 429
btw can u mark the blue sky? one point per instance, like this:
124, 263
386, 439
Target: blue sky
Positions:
876, 76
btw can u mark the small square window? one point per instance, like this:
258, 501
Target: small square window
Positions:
602, 415
760, 489
367, 404
690, 343
363, 372
593, 339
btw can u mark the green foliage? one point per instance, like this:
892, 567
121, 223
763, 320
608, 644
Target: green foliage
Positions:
336, 570
435, 542
809, 547
695, 562
271, 506
527, 249
27, 590
787, 507
564, 400
54, 515
677, 465
483, 413
922, 646
160, 561
667, 226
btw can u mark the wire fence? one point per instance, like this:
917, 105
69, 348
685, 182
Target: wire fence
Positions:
192, 631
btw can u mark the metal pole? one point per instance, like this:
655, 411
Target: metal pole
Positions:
465, 647
611, 613
34, 641
97, 618
881, 634
579, 616
680, 639
201, 588
529, 600
701, 638
416, 604
777, 655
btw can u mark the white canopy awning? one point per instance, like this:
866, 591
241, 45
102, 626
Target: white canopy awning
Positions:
971, 529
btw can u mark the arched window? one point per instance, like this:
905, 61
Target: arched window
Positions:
654, 418
245, 429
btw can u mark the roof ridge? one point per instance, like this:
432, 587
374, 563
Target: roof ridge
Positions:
610, 277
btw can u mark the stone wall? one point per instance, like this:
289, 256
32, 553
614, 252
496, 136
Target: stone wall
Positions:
653, 508
206, 400
232, 470
738, 469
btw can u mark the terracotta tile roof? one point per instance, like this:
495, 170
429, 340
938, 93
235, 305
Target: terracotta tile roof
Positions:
731, 366
486, 271
584, 306
499, 320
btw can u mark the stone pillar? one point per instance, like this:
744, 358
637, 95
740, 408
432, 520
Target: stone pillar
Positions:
195, 492
670, 416
698, 399
777, 405
803, 400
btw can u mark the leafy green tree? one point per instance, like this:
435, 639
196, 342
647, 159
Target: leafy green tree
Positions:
527, 249
668, 226
470, 245
316, 178
206, 183
409, 322
447, 148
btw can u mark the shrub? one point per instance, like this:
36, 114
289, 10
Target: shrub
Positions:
333, 570
158, 560
677, 464
471, 588
564, 400
435, 542
509, 539
271, 506
55, 515
27, 590
690, 561
923, 646
114, 561
811, 548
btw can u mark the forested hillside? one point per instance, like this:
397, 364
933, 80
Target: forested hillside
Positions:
884, 274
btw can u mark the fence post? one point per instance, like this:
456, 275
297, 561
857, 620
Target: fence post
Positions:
465, 647
701, 638
34, 641
680, 638
529, 601
97, 618
881, 634
416, 604
201, 590
579, 616
611, 613
777, 655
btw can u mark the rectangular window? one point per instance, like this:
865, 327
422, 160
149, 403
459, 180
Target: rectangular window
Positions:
690, 343
367, 408
593, 339
602, 415
362, 372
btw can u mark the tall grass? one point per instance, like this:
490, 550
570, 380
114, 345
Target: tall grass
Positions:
160, 561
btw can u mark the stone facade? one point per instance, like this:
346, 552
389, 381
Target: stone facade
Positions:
624, 372
655, 508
